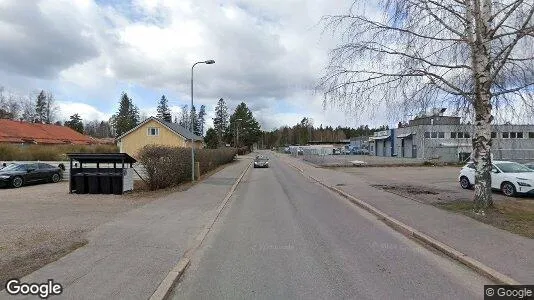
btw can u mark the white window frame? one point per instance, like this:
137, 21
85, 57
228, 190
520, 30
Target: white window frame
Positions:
149, 131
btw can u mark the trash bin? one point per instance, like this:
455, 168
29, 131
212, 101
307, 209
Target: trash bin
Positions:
92, 183
116, 183
79, 183
104, 179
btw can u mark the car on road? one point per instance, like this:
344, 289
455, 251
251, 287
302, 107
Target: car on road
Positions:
530, 165
16, 175
509, 177
261, 162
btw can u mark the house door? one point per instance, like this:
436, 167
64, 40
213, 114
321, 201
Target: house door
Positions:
414, 151
402, 147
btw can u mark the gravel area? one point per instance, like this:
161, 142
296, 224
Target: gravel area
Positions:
359, 160
425, 184
41, 223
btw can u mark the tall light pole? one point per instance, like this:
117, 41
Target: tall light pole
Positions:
208, 62
237, 133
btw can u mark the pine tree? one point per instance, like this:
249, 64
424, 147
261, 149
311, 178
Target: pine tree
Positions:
40, 107
220, 122
127, 117
164, 111
184, 117
211, 140
201, 119
243, 121
193, 114
75, 123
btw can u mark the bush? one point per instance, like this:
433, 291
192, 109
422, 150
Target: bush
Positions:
169, 166
49, 152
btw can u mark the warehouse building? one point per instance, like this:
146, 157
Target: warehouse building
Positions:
446, 139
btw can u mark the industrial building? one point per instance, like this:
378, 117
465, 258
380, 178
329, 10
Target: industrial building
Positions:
444, 138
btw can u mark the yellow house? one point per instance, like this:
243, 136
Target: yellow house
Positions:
158, 132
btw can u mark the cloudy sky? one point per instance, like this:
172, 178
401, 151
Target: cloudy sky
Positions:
268, 53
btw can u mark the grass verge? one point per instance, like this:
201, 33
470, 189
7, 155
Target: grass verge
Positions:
516, 216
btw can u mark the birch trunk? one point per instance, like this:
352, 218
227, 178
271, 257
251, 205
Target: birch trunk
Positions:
482, 103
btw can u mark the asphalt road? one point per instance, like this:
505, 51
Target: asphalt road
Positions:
284, 237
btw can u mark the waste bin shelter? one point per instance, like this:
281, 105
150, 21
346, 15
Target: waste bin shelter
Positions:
100, 173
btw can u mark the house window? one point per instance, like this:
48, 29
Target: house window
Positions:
513, 135
427, 135
453, 135
152, 131
441, 135
434, 135
505, 135
520, 135
531, 135
460, 135
493, 135
467, 135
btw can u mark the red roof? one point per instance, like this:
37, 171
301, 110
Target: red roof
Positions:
24, 132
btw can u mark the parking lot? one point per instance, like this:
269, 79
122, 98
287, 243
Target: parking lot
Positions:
426, 184
40, 223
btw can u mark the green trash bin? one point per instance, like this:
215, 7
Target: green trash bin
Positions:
104, 179
92, 183
116, 183
79, 183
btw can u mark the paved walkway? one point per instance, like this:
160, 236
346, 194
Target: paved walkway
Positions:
128, 258
505, 252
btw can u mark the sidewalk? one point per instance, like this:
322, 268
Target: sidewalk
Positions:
510, 254
129, 257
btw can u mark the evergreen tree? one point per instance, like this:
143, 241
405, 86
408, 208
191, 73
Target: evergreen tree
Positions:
220, 122
193, 114
242, 121
211, 139
184, 117
201, 119
127, 116
164, 111
40, 107
75, 123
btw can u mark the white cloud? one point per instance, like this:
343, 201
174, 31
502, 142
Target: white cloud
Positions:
87, 112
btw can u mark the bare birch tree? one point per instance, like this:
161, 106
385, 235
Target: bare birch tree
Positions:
472, 55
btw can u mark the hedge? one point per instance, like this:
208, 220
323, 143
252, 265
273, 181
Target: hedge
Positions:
49, 152
167, 166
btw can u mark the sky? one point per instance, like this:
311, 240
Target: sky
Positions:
269, 54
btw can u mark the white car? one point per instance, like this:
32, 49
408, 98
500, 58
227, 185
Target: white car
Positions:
509, 177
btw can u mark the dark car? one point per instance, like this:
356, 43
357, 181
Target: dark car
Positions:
530, 165
261, 162
17, 175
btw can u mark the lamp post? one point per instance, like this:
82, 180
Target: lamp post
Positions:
208, 62
237, 132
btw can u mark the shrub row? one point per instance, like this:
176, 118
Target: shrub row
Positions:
169, 166
49, 152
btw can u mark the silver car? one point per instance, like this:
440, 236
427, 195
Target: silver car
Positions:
261, 162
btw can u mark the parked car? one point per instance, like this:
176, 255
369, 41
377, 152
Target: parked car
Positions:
509, 177
261, 162
17, 175
530, 165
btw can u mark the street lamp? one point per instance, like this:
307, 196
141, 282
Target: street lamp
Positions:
208, 62
237, 133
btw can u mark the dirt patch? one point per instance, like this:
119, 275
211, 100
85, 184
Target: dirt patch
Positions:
515, 216
408, 189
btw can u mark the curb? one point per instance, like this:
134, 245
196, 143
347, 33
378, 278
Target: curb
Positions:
420, 237
165, 287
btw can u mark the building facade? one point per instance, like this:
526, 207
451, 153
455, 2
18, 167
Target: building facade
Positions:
446, 139
154, 131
